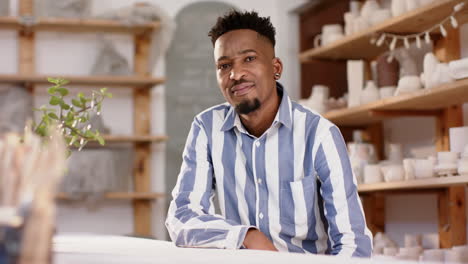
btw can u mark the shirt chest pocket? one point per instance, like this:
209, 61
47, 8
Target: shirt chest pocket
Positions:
297, 201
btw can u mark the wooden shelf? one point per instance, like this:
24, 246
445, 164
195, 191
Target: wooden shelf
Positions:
423, 100
121, 196
358, 46
135, 139
104, 81
77, 25
430, 183
124, 140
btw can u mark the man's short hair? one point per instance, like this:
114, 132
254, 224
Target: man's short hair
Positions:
234, 20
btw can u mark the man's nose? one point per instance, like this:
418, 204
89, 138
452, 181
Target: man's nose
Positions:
237, 73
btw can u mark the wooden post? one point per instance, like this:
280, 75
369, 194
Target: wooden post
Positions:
26, 41
451, 202
452, 217
374, 209
142, 119
449, 117
451, 205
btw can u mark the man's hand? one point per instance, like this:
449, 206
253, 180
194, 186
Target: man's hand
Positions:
255, 239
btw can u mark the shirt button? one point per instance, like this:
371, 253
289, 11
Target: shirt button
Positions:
257, 144
260, 215
259, 181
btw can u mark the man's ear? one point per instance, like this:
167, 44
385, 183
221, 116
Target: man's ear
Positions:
277, 68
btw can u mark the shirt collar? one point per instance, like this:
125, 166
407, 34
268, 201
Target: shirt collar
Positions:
283, 116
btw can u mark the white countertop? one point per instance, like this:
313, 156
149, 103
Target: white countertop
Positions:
99, 249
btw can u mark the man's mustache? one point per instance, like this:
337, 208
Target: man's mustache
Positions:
241, 81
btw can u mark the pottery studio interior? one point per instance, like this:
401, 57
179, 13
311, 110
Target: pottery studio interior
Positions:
228, 131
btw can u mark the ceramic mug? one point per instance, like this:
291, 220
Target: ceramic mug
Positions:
413, 240
379, 16
463, 166
433, 255
370, 93
464, 154
430, 241
447, 157
456, 255
387, 91
398, 7
412, 4
394, 172
355, 7
390, 251
409, 83
349, 19
423, 168
408, 165
372, 174
330, 33
410, 253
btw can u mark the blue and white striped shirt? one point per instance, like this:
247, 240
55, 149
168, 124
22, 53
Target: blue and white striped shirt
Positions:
294, 183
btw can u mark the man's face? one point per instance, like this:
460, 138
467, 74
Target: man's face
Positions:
245, 67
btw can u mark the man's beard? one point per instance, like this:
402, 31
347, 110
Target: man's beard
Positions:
247, 106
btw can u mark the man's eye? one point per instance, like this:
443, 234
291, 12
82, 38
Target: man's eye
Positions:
223, 66
250, 58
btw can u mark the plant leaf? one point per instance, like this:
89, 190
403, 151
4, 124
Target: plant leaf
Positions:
63, 91
76, 103
51, 90
52, 80
53, 116
101, 140
54, 100
65, 106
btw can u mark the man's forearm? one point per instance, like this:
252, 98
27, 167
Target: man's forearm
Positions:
255, 239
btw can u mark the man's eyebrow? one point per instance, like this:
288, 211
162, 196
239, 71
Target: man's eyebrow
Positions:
240, 53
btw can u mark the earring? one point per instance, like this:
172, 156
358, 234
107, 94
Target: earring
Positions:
277, 76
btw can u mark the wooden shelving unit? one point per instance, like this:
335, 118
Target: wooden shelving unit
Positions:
140, 83
121, 196
443, 103
358, 46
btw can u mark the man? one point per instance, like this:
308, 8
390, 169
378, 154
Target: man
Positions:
281, 171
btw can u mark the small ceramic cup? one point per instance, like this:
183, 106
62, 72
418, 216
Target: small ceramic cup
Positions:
394, 172
433, 255
372, 174
387, 91
390, 251
423, 168
409, 83
447, 157
413, 240
380, 16
408, 165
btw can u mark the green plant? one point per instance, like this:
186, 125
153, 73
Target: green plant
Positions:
72, 116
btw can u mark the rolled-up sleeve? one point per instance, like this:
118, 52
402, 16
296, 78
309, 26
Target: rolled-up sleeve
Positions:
191, 219
347, 230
